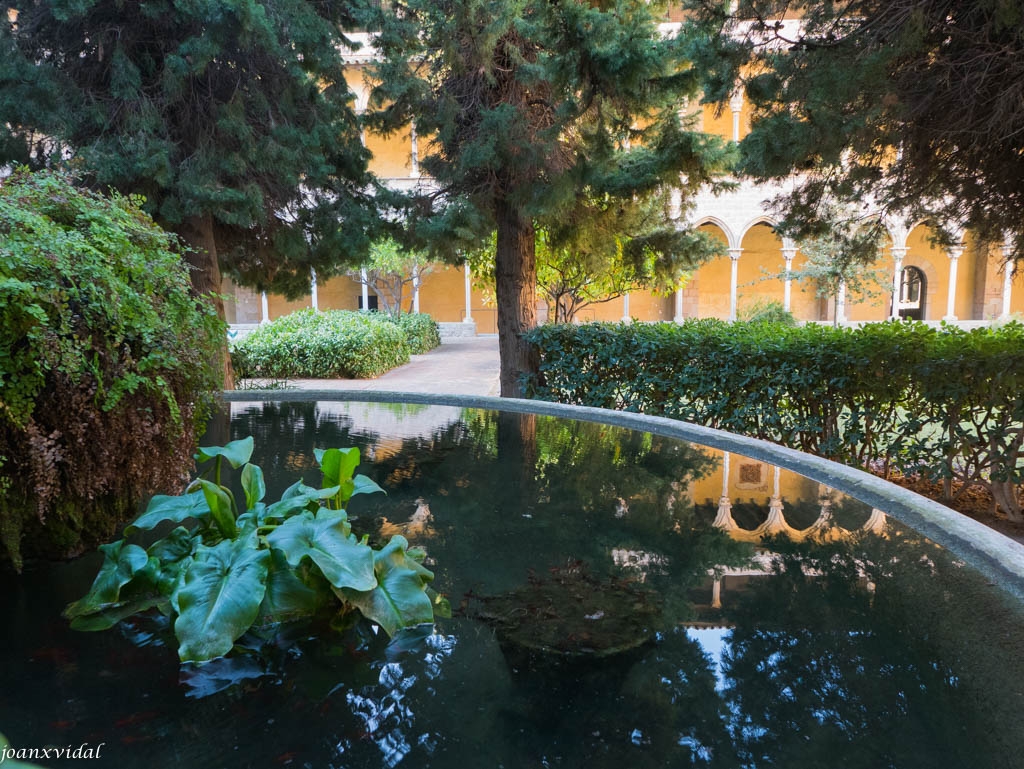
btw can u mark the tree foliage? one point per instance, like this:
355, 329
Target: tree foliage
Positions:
233, 118
607, 250
389, 271
917, 105
530, 107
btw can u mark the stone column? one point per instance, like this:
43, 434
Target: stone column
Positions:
954, 257
736, 105
841, 303
679, 306
469, 295
788, 253
898, 255
366, 290
414, 159
264, 308
723, 517
1007, 281
734, 255
625, 308
415, 288
314, 299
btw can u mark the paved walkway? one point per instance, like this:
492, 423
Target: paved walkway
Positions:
466, 366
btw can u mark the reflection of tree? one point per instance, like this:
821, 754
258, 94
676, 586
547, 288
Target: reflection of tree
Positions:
878, 658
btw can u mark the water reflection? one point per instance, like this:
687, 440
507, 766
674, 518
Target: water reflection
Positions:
764, 621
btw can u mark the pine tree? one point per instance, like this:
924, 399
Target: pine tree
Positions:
232, 117
916, 105
530, 107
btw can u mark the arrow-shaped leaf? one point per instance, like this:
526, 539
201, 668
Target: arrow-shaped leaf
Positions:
121, 562
363, 485
175, 509
287, 596
221, 507
326, 539
237, 453
219, 598
399, 600
253, 484
300, 498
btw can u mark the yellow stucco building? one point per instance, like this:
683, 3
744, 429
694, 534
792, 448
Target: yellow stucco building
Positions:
967, 284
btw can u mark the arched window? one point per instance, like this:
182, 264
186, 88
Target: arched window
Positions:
913, 291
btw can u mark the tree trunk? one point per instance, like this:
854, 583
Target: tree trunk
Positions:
197, 233
515, 278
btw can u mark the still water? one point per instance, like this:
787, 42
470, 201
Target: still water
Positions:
619, 600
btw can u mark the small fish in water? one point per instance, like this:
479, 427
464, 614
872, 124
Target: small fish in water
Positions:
136, 718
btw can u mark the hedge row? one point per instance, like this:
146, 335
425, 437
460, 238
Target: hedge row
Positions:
941, 401
420, 330
336, 343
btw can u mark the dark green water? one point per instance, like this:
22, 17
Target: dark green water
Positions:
867, 651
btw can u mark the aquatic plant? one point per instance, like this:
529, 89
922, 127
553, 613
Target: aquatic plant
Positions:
220, 572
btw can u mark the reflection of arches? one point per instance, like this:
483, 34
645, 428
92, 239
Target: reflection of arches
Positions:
913, 293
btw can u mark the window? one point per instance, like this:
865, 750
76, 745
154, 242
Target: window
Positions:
912, 293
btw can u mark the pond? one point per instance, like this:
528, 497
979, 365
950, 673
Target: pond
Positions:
619, 599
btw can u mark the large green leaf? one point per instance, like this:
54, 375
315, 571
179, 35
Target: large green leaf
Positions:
337, 466
121, 562
253, 484
363, 485
237, 453
168, 556
297, 497
222, 507
287, 596
176, 509
107, 618
220, 597
326, 539
399, 600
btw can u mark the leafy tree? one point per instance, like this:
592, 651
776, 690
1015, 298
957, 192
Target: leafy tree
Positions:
608, 250
916, 104
839, 260
232, 118
530, 107
389, 271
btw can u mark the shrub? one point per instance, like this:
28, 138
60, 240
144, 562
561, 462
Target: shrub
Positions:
764, 311
941, 401
420, 330
321, 345
105, 364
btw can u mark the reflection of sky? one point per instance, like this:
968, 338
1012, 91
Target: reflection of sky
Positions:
714, 641
385, 708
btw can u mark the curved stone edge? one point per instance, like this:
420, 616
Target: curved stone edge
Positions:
996, 556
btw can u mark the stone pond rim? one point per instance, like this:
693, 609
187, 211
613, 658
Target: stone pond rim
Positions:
997, 557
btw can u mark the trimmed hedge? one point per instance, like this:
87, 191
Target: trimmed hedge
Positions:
106, 364
942, 401
321, 345
420, 330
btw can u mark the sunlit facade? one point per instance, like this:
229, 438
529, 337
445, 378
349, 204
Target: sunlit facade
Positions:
966, 284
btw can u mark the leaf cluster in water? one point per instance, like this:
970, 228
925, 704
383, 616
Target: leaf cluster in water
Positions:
223, 570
